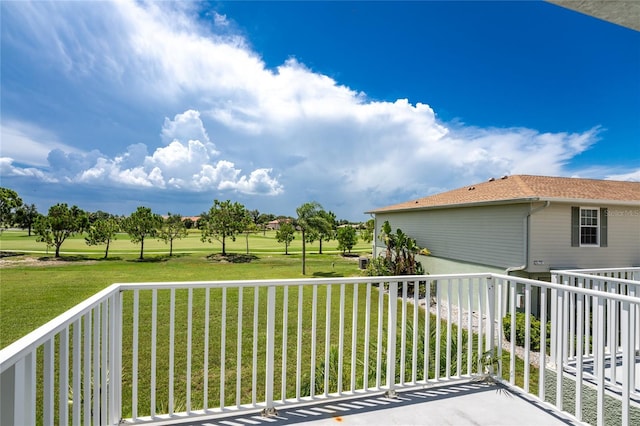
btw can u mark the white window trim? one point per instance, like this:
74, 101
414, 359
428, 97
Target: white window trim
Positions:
599, 221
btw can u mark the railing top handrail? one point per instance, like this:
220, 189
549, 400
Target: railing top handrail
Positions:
293, 281
595, 277
17, 349
630, 268
571, 289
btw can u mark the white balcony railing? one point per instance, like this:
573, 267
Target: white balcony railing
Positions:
146, 352
617, 330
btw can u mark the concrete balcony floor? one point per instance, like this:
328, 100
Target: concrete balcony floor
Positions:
464, 403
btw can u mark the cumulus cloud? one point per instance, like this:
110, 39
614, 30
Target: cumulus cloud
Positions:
300, 133
184, 163
633, 176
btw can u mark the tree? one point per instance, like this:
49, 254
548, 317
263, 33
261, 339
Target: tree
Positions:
26, 216
102, 231
171, 229
189, 223
251, 228
285, 235
400, 255
223, 220
367, 232
328, 232
140, 225
309, 219
9, 202
61, 223
347, 238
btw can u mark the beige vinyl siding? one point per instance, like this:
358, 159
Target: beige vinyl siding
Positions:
551, 239
489, 235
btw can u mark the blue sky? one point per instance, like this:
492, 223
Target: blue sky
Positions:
356, 105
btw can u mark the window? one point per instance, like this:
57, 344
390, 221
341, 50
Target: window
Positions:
588, 226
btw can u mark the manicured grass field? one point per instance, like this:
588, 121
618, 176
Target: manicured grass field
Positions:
33, 290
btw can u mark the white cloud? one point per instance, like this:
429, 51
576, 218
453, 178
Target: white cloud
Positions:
633, 176
28, 143
291, 127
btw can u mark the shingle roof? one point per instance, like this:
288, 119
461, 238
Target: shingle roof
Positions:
524, 188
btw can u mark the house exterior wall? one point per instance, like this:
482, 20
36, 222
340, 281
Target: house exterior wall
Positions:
550, 239
487, 236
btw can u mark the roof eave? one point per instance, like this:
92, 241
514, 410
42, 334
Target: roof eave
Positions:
580, 201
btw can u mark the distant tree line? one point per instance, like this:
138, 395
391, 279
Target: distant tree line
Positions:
224, 221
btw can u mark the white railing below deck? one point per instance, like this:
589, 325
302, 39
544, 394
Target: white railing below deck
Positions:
158, 351
586, 321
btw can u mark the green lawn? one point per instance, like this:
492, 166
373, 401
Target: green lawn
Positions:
122, 247
40, 288
31, 295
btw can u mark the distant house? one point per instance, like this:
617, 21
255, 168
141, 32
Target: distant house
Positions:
524, 225
275, 224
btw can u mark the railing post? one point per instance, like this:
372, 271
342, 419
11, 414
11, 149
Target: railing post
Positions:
491, 304
270, 370
391, 339
18, 389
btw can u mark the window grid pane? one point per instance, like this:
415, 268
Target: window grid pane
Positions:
589, 226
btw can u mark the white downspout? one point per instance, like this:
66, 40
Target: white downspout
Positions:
526, 239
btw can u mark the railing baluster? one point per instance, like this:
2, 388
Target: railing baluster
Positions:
612, 335
113, 372
354, 338
341, 332
470, 327
254, 369
314, 333
223, 346
600, 355
527, 334
449, 301
75, 373
96, 364
86, 369
379, 336
391, 337
299, 342
403, 333
559, 355
154, 333
327, 341
285, 334
414, 348
63, 377
459, 333
134, 355
271, 344
438, 326
189, 338
627, 356
239, 350
579, 356
542, 368
205, 363
172, 337
48, 371
512, 338
427, 331
499, 283
104, 363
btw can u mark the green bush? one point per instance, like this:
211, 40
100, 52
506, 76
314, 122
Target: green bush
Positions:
534, 333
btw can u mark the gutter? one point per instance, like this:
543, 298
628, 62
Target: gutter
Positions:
526, 221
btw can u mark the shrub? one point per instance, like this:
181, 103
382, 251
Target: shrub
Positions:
534, 330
